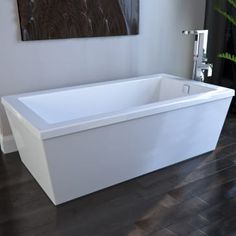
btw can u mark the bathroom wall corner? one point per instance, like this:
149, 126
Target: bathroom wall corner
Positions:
8, 144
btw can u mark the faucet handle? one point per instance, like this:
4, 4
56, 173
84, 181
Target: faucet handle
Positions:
210, 70
206, 67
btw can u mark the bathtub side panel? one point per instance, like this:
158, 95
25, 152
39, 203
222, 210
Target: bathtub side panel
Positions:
91, 160
32, 153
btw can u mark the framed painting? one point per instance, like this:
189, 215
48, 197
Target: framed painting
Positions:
57, 19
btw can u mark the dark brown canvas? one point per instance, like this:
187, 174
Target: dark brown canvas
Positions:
56, 19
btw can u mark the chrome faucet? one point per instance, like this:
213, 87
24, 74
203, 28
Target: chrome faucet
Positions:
200, 65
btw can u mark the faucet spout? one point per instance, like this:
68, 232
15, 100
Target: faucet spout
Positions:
200, 54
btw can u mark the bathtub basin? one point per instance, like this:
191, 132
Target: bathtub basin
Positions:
81, 139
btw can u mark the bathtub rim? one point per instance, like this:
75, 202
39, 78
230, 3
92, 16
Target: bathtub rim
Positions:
44, 130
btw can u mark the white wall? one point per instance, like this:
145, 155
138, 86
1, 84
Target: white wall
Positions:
160, 47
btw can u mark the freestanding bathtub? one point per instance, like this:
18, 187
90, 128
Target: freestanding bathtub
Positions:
78, 140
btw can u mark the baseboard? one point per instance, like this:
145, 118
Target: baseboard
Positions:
8, 144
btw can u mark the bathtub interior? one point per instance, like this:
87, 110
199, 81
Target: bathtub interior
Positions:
82, 102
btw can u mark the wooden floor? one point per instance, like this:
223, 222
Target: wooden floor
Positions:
196, 197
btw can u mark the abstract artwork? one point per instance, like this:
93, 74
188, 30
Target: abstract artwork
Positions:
57, 19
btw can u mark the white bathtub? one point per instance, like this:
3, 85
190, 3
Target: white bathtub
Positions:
82, 139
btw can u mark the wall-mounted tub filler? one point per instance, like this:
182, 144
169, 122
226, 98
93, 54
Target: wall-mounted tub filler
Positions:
82, 139
200, 66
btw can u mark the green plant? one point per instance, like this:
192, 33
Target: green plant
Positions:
231, 19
